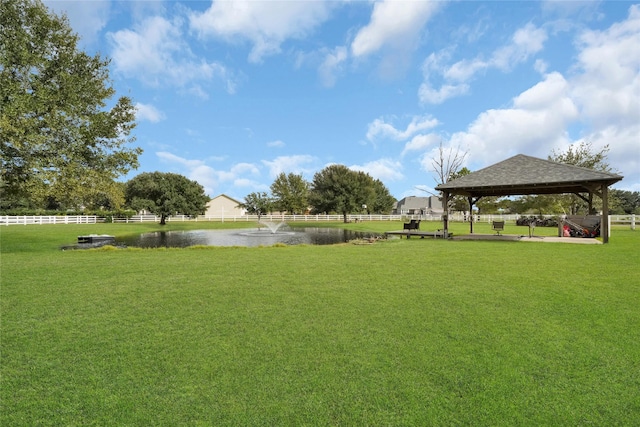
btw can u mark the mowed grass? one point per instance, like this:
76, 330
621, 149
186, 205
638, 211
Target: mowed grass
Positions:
400, 332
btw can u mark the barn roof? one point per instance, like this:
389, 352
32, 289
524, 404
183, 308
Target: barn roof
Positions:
521, 174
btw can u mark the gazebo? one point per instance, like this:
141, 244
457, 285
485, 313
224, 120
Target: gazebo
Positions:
524, 175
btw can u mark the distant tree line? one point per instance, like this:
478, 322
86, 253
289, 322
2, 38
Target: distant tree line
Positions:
335, 189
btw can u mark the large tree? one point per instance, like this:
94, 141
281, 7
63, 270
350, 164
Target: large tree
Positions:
625, 202
166, 194
337, 188
61, 133
382, 200
290, 193
257, 204
584, 155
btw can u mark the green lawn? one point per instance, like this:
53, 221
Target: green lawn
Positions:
400, 332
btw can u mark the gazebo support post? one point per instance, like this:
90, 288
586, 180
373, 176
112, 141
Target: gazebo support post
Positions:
470, 198
471, 203
445, 215
604, 227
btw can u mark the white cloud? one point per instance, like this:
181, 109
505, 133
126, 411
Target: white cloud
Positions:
624, 144
332, 65
463, 70
249, 183
379, 128
148, 112
525, 42
156, 53
607, 83
239, 169
289, 164
86, 18
606, 87
428, 95
535, 124
276, 144
382, 169
422, 142
266, 24
601, 95
393, 24
172, 158
207, 176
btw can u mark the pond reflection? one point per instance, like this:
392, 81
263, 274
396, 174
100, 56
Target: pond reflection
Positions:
244, 237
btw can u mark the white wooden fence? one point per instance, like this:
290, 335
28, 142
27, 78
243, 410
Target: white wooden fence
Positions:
629, 220
254, 218
49, 219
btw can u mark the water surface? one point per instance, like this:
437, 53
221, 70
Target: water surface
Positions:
244, 237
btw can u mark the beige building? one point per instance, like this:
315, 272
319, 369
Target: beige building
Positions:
224, 206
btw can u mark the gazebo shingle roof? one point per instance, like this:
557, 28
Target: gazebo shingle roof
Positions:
523, 174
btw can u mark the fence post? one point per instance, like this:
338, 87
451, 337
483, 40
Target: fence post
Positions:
633, 221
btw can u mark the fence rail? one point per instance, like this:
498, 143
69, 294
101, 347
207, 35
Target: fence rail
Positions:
629, 220
50, 219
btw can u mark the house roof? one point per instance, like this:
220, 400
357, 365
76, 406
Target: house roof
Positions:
521, 174
226, 197
414, 202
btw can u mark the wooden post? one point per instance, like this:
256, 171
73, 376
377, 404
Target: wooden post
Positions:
471, 214
445, 215
604, 227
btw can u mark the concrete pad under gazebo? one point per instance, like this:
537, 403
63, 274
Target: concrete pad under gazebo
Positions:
519, 238
526, 175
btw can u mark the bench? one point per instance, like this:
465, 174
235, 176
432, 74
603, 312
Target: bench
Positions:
412, 225
498, 226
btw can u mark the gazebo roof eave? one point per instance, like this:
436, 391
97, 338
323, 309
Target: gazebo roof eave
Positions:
527, 189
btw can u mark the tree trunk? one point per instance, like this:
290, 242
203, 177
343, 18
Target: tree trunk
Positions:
163, 219
344, 216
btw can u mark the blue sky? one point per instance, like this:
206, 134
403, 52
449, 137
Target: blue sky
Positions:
232, 93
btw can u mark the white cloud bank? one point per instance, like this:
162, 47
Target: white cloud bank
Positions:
265, 24
149, 113
382, 169
601, 96
394, 25
240, 175
525, 42
155, 52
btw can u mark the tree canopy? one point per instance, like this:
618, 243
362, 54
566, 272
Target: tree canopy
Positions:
62, 136
581, 154
382, 201
626, 202
584, 155
258, 203
290, 193
337, 188
166, 194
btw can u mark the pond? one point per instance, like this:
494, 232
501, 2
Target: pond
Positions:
244, 237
